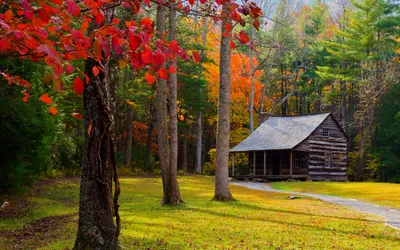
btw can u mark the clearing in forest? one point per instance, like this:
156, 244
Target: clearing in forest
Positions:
384, 194
257, 220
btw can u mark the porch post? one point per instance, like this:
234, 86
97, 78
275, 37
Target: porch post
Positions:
291, 162
265, 162
233, 165
254, 163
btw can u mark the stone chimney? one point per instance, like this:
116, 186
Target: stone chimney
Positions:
263, 116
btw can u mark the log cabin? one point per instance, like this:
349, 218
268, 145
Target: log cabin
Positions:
300, 147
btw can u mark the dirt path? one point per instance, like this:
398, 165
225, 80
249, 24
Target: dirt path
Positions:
37, 233
391, 216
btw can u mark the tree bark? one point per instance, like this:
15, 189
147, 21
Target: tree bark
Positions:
199, 142
96, 228
185, 151
361, 162
161, 115
128, 155
97, 205
174, 196
222, 192
199, 124
253, 71
149, 137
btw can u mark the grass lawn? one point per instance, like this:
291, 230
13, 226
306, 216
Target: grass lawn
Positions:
385, 194
257, 220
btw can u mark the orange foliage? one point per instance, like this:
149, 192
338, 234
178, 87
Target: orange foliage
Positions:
240, 85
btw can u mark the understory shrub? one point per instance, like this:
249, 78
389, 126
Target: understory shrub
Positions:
26, 136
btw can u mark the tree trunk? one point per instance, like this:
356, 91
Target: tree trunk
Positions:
199, 127
343, 107
149, 138
222, 192
317, 105
185, 151
283, 94
128, 155
333, 105
199, 142
161, 114
361, 162
253, 71
96, 228
174, 196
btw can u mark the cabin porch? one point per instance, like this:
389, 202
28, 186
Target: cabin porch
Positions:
272, 165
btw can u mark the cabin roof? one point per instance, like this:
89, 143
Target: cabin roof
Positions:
280, 133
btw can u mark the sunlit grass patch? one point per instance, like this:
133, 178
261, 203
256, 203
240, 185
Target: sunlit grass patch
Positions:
256, 220
385, 194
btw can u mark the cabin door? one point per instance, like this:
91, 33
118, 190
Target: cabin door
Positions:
276, 162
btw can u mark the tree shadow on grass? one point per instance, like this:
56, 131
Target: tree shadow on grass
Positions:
258, 208
280, 222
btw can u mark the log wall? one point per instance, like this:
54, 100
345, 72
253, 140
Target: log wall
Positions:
334, 131
321, 149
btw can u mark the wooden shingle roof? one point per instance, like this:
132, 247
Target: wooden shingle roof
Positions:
281, 133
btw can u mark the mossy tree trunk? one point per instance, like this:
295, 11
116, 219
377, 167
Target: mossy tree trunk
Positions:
97, 204
97, 207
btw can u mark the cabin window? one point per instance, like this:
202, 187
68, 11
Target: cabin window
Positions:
328, 159
325, 132
296, 160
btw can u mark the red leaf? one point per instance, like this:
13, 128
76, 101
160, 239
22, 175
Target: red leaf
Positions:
147, 56
203, 1
53, 110
69, 69
86, 78
196, 56
77, 115
29, 14
4, 43
115, 21
162, 73
46, 99
73, 8
243, 37
89, 131
256, 24
228, 27
158, 58
8, 15
99, 18
43, 15
116, 44
78, 86
26, 97
191, 2
149, 78
146, 2
172, 69
233, 46
186, 10
174, 46
134, 41
130, 23
95, 71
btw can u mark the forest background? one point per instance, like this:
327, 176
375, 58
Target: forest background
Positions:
306, 57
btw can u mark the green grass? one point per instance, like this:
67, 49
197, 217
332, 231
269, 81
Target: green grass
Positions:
53, 200
385, 194
257, 220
